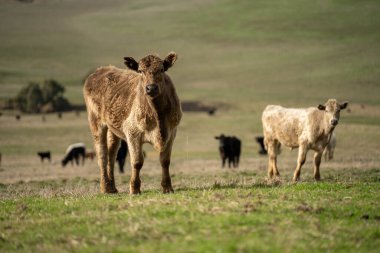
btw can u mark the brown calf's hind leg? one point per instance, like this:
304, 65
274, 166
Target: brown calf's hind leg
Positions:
302, 151
317, 163
113, 143
99, 134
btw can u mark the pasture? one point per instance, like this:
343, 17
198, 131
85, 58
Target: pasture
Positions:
236, 55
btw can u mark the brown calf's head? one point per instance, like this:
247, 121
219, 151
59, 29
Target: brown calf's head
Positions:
332, 109
152, 70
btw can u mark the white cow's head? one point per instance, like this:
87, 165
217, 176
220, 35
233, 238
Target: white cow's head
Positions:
332, 109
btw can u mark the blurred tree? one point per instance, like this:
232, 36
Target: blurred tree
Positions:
33, 99
51, 89
61, 104
29, 98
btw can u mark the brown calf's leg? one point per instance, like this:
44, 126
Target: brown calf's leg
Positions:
99, 134
317, 163
166, 182
137, 161
113, 143
302, 151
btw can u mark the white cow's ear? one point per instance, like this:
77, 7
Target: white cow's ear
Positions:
169, 60
321, 107
131, 63
343, 106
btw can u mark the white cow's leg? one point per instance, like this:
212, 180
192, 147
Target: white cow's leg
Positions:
317, 163
113, 143
137, 161
166, 182
302, 151
272, 157
277, 151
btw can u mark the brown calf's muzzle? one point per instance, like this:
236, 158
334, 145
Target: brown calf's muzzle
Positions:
152, 90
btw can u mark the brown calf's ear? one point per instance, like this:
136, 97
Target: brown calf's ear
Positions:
321, 107
169, 60
131, 63
343, 106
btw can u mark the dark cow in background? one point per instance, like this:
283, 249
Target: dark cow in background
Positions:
73, 152
229, 149
260, 141
44, 155
122, 155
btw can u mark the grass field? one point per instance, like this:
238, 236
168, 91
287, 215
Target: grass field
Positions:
239, 54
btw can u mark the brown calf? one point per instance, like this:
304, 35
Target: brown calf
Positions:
138, 104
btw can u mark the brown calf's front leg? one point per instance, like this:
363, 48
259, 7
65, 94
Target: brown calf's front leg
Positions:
166, 182
302, 151
137, 161
317, 163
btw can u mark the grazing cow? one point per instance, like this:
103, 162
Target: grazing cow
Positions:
122, 155
73, 152
44, 155
260, 141
138, 104
305, 129
229, 149
330, 148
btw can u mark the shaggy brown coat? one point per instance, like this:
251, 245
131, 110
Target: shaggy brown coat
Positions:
138, 104
305, 129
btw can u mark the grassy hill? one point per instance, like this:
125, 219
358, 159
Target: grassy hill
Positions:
237, 55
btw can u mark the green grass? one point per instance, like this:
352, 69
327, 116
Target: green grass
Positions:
221, 217
241, 54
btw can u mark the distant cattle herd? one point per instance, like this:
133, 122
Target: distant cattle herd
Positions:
139, 104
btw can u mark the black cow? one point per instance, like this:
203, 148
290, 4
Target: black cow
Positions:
122, 155
73, 152
44, 155
229, 149
260, 141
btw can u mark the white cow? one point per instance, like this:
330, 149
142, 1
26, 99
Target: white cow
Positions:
307, 128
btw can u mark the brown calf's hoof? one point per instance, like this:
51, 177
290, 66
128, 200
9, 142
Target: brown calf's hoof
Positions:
134, 187
110, 190
134, 190
317, 178
166, 190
